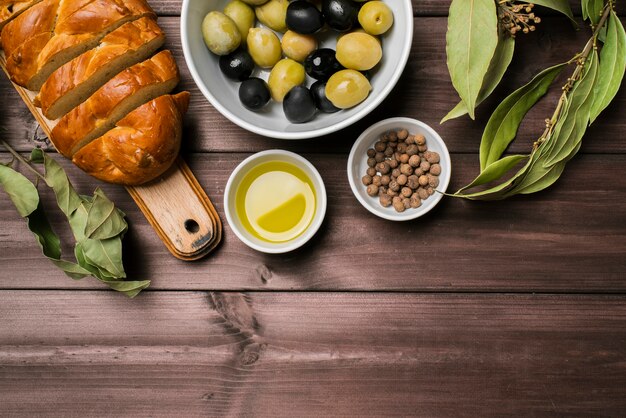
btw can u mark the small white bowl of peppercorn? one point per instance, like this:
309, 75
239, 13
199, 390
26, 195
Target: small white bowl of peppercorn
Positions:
399, 169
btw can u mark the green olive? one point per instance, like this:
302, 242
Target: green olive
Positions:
242, 15
359, 51
297, 46
347, 88
285, 75
264, 47
220, 33
272, 14
375, 17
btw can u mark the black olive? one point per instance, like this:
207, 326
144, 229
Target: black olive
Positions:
303, 17
299, 105
318, 90
321, 64
237, 65
254, 93
340, 15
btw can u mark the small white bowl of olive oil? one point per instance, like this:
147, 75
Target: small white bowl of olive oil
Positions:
275, 201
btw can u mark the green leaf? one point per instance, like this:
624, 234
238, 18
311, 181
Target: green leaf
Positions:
562, 6
573, 123
67, 198
129, 288
612, 66
500, 191
104, 220
592, 10
495, 171
21, 191
505, 120
471, 42
498, 66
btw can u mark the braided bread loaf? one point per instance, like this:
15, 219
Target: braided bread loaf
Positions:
90, 61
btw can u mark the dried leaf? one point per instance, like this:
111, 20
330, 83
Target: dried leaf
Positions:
21, 191
500, 191
106, 256
612, 66
504, 123
562, 6
67, 198
471, 42
104, 220
498, 66
129, 288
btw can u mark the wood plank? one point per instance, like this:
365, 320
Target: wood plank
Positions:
311, 354
420, 7
424, 92
569, 238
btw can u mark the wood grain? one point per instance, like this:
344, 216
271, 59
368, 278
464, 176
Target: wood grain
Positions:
302, 354
569, 238
424, 92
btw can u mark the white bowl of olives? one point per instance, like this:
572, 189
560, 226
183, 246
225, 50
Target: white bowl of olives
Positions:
296, 69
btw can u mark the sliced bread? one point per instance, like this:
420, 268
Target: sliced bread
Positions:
141, 147
9, 10
77, 26
113, 101
74, 82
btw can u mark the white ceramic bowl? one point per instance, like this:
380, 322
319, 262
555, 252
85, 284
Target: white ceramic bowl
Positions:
235, 180
223, 92
357, 165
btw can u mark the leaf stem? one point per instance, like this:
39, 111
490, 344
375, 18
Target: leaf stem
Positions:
22, 160
580, 60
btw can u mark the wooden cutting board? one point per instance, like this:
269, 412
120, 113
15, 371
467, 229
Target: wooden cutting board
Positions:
175, 204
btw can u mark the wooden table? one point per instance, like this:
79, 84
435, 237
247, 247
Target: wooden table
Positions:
514, 308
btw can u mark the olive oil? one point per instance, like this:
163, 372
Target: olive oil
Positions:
276, 201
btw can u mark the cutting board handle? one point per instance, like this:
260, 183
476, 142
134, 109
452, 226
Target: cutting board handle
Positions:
180, 212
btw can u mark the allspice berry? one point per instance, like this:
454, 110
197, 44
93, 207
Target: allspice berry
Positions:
372, 190
385, 200
401, 171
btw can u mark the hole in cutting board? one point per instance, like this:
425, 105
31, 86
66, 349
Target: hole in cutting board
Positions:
192, 226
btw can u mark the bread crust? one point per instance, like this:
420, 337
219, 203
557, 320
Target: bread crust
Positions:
141, 147
137, 84
73, 27
74, 82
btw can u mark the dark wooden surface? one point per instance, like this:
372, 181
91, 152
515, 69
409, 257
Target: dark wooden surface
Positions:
514, 308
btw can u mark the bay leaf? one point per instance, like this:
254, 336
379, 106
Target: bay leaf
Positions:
500, 191
505, 120
21, 191
129, 288
612, 66
105, 255
573, 123
498, 66
36, 156
471, 42
104, 220
494, 171
562, 6
67, 198
592, 10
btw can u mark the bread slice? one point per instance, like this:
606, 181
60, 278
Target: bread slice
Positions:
77, 26
114, 100
75, 81
141, 147
10, 9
